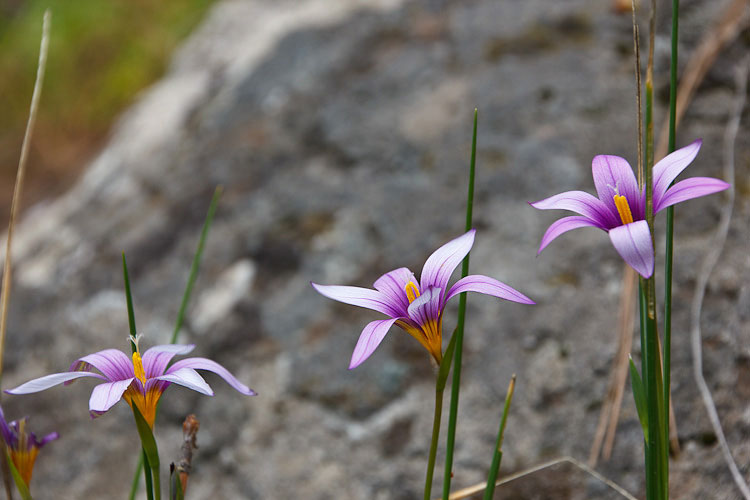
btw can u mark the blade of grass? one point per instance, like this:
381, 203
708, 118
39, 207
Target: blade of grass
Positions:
196, 263
456, 384
497, 456
15, 202
150, 450
183, 307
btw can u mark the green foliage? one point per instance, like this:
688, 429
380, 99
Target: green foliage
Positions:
101, 54
23, 489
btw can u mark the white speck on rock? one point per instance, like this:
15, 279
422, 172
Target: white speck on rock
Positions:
218, 301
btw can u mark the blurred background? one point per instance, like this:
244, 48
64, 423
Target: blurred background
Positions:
341, 133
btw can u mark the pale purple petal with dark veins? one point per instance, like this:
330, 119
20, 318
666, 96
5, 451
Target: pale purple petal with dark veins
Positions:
563, 226
104, 396
42, 383
668, 168
613, 175
393, 285
426, 307
694, 187
488, 286
369, 340
440, 265
114, 364
156, 359
362, 297
581, 203
212, 366
633, 243
187, 377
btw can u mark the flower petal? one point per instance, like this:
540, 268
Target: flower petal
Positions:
694, 187
581, 203
42, 383
156, 359
104, 396
426, 307
187, 377
212, 366
362, 297
488, 286
393, 285
8, 436
668, 168
114, 364
613, 175
440, 265
369, 340
46, 439
633, 243
563, 226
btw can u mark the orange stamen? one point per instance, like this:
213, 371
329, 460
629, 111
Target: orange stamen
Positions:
412, 292
623, 209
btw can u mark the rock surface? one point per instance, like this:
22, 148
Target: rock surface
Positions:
341, 132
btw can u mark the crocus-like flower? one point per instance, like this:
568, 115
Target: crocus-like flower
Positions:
22, 446
140, 381
620, 208
417, 306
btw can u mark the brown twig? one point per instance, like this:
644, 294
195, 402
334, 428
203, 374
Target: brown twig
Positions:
479, 487
189, 433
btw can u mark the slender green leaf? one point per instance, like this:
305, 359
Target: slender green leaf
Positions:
196, 263
23, 488
129, 299
497, 455
150, 449
640, 398
455, 388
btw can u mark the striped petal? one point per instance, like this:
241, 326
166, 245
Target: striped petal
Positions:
104, 396
369, 340
187, 377
669, 167
694, 187
633, 243
393, 285
563, 226
42, 383
426, 307
212, 366
613, 175
440, 265
487, 286
114, 364
581, 203
362, 297
156, 359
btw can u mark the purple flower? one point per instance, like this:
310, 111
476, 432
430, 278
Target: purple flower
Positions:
417, 307
140, 380
23, 447
620, 208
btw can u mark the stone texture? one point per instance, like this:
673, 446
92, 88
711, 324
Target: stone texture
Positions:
341, 134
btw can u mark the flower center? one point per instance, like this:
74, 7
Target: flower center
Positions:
140, 373
412, 292
623, 209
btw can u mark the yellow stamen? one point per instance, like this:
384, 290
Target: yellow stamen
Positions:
412, 291
140, 373
623, 209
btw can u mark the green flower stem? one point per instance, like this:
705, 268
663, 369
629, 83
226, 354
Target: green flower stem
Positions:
669, 250
147, 476
456, 384
497, 456
434, 442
